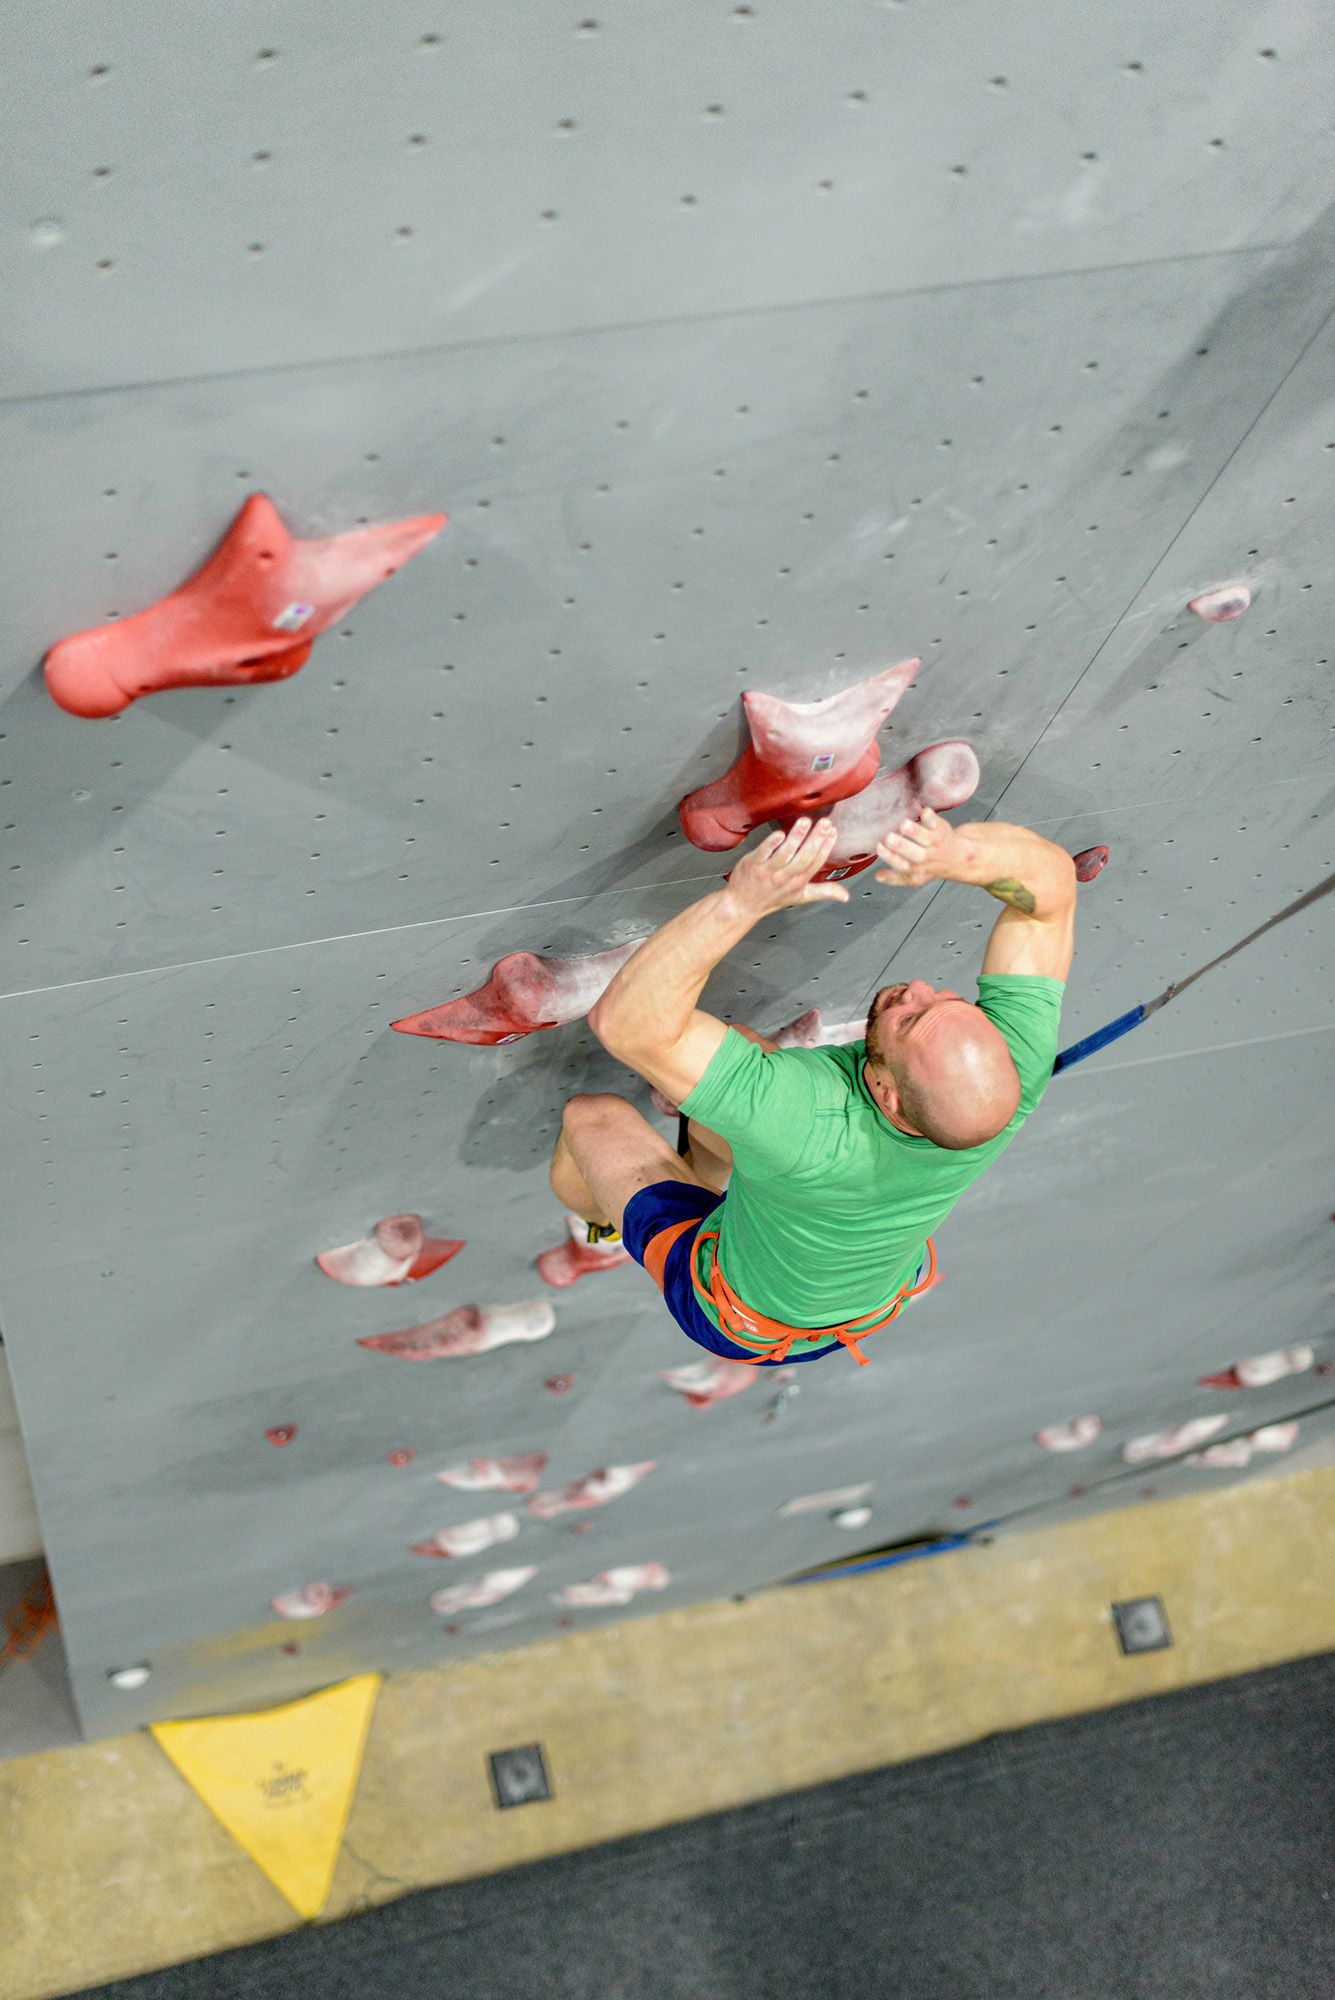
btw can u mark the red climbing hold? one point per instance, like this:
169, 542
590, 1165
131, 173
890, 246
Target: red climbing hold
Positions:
396, 1253
281, 1433
403, 1456
577, 1257
1222, 606
558, 1385
943, 776
1091, 862
524, 995
249, 615
802, 757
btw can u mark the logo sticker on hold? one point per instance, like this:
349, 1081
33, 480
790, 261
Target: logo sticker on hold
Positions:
292, 617
824, 761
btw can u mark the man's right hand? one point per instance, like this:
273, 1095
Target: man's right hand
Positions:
1033, 877
923, 850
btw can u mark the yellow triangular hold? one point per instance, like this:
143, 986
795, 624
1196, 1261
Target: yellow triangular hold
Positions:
281, 1781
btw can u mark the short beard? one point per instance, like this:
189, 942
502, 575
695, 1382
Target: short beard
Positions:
876, 1055
875, 1052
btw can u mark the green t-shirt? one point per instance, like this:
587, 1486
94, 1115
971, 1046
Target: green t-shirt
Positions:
830, 1205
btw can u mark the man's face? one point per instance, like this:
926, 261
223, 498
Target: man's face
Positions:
910, 1016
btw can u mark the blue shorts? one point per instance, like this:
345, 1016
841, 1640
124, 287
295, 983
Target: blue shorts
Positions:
664, 1207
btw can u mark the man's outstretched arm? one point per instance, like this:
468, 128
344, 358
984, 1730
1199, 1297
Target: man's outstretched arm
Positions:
1034, 878
648, 1018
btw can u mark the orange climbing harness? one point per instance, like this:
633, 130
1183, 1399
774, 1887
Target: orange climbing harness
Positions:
749, 1328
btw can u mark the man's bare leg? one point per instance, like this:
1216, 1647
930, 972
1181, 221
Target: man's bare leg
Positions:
606, 1153
570, 1187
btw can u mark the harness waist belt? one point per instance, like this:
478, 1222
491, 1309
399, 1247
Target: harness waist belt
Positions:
772, 1337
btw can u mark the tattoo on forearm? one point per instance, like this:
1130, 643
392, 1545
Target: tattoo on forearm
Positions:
1008, 890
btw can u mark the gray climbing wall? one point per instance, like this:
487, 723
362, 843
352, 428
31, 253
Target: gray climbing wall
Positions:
745, 346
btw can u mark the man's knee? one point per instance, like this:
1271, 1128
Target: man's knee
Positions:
588, 1108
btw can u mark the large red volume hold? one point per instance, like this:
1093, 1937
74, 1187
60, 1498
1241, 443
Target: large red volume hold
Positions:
803, 756
524, 994
249, 615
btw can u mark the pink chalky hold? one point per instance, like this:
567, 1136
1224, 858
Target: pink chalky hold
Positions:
1091, 862
471, 1537
703, 1383
576, 1257
396, 1252
466, 1330
614, 1586
1071, 1436
1168, 1444
525, 995
1222, 606
803, 756
310, 1602
1260, 1369
812, 1031
594, 1490
522, 1474
484, 1591
940, 777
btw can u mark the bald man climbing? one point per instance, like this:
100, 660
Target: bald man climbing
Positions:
838, 1163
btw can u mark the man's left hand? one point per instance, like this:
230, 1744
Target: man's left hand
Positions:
778, 873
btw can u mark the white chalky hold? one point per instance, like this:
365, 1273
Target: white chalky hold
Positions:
466, 1330
484, 1591
614, 1586
522, 1474
1230, 1456
1167, 1444
1276, 1437
310, 1602
706, 1382
942, 777
1071, 1436
471, 1537
594, 1490
822, 1503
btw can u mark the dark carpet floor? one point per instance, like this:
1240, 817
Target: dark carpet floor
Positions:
1174, 1849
